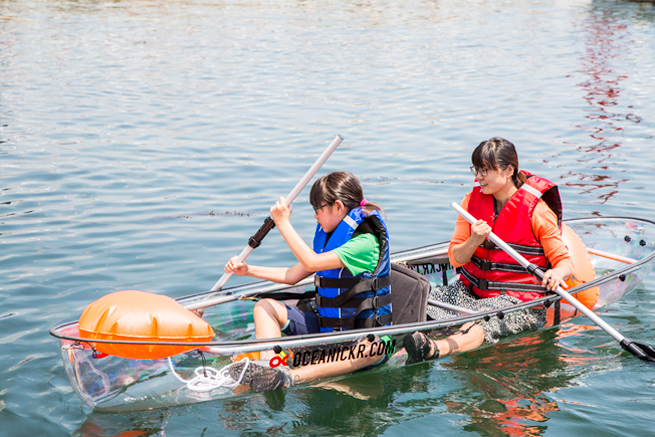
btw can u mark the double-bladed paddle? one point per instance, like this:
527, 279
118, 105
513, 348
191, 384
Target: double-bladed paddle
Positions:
645, 352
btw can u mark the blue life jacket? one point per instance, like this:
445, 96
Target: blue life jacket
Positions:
347, 302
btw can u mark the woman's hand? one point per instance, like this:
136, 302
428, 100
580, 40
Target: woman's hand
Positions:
554, 278
479, 231
233, 267
280, 211
463, 252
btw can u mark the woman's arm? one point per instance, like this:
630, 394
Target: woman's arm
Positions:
466, 238
544, 226
459, 253
464, 251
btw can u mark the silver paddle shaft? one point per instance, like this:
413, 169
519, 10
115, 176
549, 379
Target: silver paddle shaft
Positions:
287, 200
450, 307
560, 291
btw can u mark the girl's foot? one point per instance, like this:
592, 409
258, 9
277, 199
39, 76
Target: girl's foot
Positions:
419, 348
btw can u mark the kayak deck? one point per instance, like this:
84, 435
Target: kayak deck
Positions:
110, 383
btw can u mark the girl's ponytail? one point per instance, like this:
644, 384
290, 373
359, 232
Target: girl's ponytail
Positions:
368, 207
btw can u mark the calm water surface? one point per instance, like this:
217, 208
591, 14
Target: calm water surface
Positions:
142, 142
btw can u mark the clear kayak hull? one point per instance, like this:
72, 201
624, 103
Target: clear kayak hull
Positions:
621, 251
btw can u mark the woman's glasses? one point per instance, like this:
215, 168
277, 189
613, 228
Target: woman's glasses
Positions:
318, 208
482, 171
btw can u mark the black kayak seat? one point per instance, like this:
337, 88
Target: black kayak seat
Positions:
409, 295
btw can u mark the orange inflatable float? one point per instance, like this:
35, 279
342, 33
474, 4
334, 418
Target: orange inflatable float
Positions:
139, 316
583, 270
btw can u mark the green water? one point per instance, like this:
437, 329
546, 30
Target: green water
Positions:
142, 143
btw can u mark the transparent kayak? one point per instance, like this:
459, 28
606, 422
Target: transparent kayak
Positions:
621, 250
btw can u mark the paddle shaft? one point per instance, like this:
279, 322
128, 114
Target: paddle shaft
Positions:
450, 307
626, 343
269, 224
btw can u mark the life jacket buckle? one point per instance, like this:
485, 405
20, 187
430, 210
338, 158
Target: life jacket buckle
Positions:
488, 244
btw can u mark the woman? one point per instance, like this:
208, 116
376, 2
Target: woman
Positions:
525, 211
350, 256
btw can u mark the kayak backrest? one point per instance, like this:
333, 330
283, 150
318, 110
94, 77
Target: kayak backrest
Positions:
409, 295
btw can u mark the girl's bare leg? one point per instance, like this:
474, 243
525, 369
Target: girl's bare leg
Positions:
460, 342
270, 316
328, 370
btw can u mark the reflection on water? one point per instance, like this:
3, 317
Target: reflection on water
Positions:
151, 423
607, 42
353, 406
511, 385
143, 141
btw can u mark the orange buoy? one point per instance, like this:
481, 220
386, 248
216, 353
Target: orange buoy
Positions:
140, 316
583, 270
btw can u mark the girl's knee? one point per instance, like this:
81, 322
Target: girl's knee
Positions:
270, 308
261, 304
264, 306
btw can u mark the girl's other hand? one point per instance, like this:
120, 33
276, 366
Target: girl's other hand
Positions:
233, 266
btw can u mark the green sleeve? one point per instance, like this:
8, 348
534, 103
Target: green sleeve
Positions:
360, 254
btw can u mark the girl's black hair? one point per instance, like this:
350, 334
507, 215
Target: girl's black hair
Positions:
343, 186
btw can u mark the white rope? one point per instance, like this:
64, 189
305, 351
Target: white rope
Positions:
207, 378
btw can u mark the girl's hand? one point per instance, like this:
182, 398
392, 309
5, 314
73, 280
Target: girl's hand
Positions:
280, 211
479, 231
233, 267
552, 279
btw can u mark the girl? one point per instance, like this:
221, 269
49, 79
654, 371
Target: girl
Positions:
350, 257
522, 209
